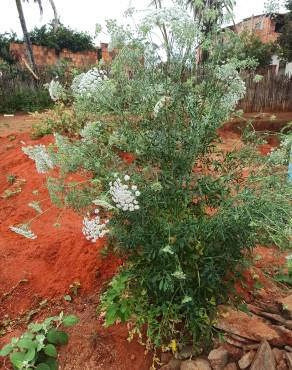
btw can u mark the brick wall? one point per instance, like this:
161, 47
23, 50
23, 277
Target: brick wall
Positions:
262, 26
45, 56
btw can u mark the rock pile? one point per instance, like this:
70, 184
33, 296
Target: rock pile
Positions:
260, 339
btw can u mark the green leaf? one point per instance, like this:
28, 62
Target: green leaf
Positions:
111, 315
70, 320
258, 285
50, 350
6, 350
24, 343
53, 363
57, 337
35, 327
43, 366
30, 355
68, 298
17, 359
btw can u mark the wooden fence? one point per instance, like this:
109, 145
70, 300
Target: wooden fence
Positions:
272, 94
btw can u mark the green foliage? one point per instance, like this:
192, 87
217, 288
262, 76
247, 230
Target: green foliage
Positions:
61, 119
285, 39
25, 99
5, 40
198, 215
36, 348
62, 38
247, 45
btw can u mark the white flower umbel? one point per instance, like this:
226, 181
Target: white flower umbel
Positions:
56, 90
93, 229
39, 154
124, 196
23, 230
87, 83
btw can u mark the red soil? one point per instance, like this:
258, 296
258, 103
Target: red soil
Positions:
44, 268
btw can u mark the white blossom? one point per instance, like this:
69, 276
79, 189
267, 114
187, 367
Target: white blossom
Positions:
93, 229
23, 230
87, 83
124, 196
56, 90
39, 154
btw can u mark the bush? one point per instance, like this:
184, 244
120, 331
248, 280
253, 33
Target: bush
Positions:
25, 99
5, 40
181, 214
62, 38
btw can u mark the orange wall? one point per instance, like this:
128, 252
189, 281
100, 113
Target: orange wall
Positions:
262, 26
45, 56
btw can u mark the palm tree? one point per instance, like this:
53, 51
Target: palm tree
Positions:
56, 21
25, 33
26, 37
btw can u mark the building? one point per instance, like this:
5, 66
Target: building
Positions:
267, 29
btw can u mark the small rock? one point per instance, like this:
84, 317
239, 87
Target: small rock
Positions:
264, 359
289, 360
218, 358
198, 364
172, 365
287, 305
234, 353
246, 360
166, 357
282, 365
185, 353
288, 348
278, 354
231, 366
243, 325
133, 357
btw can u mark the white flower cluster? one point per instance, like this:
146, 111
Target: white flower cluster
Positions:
91, 131
24, 231
87, 83
234, 84
280, 156
163, 102
56, 90
93, 229
39, 154
124, 196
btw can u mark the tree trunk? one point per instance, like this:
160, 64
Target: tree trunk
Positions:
56, 17
25, 35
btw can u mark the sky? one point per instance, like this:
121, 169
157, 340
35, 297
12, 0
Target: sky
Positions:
84, 14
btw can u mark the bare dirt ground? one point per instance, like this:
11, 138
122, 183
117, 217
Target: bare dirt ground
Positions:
36, 274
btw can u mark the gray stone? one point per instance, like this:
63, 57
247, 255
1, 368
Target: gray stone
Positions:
198, 364
246, 360
264, 359
218, 358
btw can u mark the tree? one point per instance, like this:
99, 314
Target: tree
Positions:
25, 33
56, 21
285, 39
24, 27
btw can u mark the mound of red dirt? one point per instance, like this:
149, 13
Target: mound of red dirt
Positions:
59, 256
